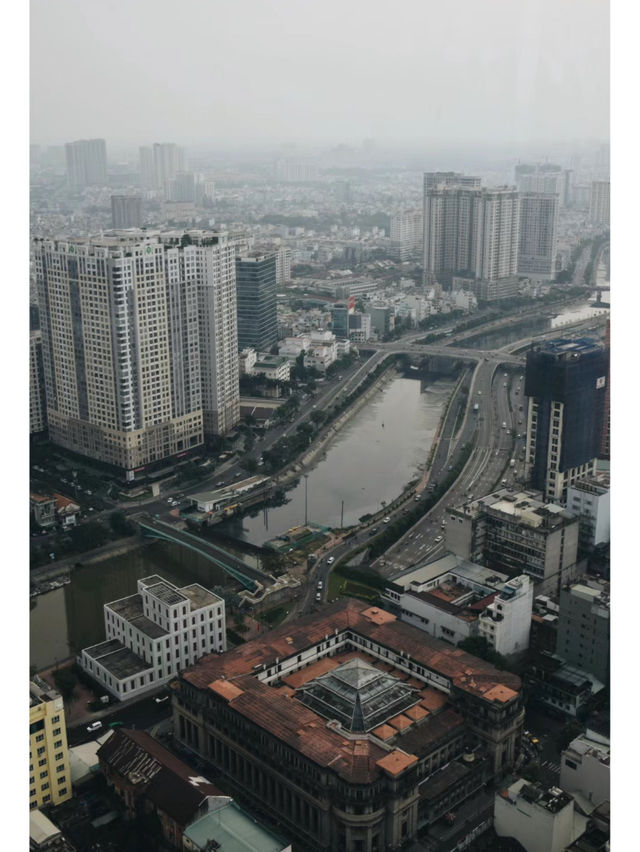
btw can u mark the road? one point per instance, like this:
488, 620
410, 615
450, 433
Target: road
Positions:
141, 714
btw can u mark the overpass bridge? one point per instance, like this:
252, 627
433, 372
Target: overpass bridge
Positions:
250, 578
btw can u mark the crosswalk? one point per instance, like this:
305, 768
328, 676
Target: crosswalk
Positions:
551, 767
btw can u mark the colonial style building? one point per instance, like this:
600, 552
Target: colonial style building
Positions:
351, 728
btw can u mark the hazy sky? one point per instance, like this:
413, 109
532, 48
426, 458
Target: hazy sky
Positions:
253, 71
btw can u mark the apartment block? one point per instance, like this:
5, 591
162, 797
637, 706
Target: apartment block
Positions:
139, 343
406, 233
256, 301
538, 235
86, 163
49, 772
126, 211
585, 768
566, 381
152, 635
469, 230
589, 499
516, 533
584, 627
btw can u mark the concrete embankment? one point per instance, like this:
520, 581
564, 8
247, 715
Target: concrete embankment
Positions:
322, 442
108, 551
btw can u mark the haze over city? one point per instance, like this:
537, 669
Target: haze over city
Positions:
319, 302
254, 72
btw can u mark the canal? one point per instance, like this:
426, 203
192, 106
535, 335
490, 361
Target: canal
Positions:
371, 459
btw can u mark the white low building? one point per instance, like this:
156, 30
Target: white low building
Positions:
589, 500
506, 622
453, 599
541, 819
154, 634
585, 768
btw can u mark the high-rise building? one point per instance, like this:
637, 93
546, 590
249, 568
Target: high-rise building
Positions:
37, 400
126, 211
584, 627
159, 165
49, 771
86, 163
139, 343
470, 230
183, 187
406, 233
256, 297
545, 178
340, 319
538, 234
599, 205
283, 265
605, 452
146, 168
566, 383
516, 533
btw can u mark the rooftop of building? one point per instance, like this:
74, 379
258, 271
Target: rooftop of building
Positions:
552, 799
65, 504
40, 692
175, 788
447, 564
232, 829
584, 745
167, 593
597, 485
199, 596
234, 678
525, 507
568, 346
40, 498
128, 608
592, 591
118, 660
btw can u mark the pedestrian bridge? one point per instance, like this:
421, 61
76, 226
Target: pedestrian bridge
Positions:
250, 578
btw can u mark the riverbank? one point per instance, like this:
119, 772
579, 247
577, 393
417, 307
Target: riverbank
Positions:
107, 551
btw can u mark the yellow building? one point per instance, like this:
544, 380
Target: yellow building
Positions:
49, 772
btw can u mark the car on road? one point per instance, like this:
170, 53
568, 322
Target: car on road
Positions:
116, 724
161, 699
94, 726
331, 560
169, 499
386, 520
373, 531
319, 587
318, 596
438, 539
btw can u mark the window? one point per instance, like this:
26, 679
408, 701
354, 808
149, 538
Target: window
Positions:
570, 764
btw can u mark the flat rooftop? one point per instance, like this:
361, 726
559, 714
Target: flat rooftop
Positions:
233, 830
166, 593
199, 596
449, 564
118, 660
128, 608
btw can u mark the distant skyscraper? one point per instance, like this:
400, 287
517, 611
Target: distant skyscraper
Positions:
605, 452
183, 187
283, 265
599, 206
139, 343
256, 296
86, 163
542, 177
126, 211
296, 171
469, 230
147, 170
566, 382
159, 165
538, 233
406, 233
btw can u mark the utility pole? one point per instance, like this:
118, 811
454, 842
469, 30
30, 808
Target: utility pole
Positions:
342, 515
306, 479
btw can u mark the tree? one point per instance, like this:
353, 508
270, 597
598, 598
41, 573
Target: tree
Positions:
570, 731
120, 525
479, 647
66, 682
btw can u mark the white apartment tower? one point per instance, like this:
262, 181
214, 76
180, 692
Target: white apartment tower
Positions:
406, 232
159, 165
538, 233
138, 343
470, 230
